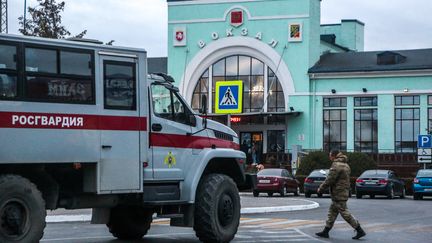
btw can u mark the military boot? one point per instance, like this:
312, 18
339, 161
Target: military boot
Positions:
360, 233
324, 233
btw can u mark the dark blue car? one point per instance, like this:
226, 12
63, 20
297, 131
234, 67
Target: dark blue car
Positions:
380, 182
422, 185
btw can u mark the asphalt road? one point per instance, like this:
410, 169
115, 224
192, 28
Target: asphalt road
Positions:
384, 220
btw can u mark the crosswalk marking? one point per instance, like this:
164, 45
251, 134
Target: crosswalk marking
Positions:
272, 228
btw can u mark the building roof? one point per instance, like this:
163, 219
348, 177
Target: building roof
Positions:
368, 61
157, 65
331, 40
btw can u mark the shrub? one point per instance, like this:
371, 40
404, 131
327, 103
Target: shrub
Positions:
358, 162
314, 160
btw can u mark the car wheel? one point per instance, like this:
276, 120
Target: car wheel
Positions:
270, 194
390, 194
359, 196
255, 193
372, 196
418, 196
283, 192
307, 194
217, 209
403, 193
297, 191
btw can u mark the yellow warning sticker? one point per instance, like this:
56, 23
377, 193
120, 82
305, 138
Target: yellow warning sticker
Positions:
170, 160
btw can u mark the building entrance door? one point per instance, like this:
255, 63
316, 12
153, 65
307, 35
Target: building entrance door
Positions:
251, 145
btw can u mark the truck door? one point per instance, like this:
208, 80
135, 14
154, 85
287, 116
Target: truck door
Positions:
120, 169
171, 121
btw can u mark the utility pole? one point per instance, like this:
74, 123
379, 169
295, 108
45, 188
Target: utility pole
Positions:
3, 16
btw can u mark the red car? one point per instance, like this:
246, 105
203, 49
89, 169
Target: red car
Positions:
276, 181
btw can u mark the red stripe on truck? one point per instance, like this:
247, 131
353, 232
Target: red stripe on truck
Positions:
185, 141
71, 121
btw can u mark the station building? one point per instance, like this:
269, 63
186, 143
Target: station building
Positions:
304, 83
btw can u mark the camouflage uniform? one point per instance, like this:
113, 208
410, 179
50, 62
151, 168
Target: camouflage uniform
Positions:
338, 180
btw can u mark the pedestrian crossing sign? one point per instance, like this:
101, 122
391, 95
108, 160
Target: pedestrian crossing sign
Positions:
229, 97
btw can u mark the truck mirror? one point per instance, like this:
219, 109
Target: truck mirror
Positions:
203, 109
192, 120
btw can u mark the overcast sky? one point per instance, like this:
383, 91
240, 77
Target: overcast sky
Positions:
389, 24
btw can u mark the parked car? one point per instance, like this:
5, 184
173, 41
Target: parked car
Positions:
276, 181
313, 181
422, 184
379, 182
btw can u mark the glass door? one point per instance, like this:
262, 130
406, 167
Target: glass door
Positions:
251, 145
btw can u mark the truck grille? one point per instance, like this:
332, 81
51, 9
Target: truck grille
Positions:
224, 136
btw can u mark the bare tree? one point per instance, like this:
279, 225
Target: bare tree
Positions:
46, 21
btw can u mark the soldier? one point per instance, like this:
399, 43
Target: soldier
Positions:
338, 180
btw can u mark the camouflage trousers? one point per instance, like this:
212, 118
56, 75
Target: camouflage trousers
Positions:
340, 207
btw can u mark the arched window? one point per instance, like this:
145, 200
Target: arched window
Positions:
261, 88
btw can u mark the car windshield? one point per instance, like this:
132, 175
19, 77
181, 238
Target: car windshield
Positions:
270, 172
319, 173
424, 173
375, 173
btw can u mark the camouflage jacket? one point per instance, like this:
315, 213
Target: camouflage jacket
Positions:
338, 179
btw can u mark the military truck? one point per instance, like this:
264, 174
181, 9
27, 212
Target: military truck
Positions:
83, 125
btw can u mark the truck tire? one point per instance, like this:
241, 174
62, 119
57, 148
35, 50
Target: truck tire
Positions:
22, 210
129, 223
217, 209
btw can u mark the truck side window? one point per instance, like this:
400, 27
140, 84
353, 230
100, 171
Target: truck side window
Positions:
8, 72
161, 98
167, 105
59, 76
119, 85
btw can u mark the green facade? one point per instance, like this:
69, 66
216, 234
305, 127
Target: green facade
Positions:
305, 92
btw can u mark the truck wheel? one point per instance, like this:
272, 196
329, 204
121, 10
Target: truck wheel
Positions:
129, 223
22, 210
217, 209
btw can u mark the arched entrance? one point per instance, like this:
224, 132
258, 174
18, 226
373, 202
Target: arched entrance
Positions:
230, 46
267, 84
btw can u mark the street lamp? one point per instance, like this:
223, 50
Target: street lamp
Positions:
25, 14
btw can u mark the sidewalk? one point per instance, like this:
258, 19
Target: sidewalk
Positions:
250, 205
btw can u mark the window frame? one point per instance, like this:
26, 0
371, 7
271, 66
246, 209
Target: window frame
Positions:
58, 74
16, 72
413, 120
22, 74
329, 144
374, 122
429, 114
396, 97
135, 85
187, 110
248, 105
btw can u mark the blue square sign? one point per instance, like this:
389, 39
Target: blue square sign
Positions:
424, 141
229, 97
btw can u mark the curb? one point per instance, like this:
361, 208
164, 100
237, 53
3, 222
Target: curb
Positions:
250, 210
311, 205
